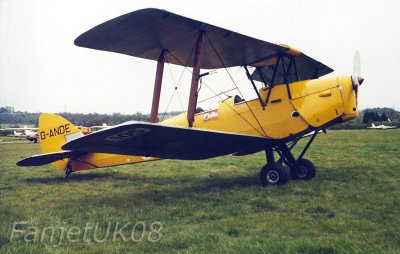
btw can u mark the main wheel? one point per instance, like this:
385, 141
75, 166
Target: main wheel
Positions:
274, 174
305, 170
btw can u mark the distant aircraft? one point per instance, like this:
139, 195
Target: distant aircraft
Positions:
291, 101
99, 127
27, 133
85, 130
381, 127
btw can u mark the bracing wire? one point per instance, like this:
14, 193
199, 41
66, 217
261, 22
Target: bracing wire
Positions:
234, 75
226, 69
176, 84
179, 80
218, 95
170, 100
236, 112
180, 101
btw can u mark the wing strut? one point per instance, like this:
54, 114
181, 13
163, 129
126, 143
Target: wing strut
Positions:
157, 88
254, 86
198, 57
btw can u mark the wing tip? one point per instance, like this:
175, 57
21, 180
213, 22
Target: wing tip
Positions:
22, 163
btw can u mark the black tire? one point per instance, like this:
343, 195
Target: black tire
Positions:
305, 170
274, 174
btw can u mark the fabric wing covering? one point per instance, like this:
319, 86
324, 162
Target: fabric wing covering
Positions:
165, 142
307, 68
146, 33
43, 159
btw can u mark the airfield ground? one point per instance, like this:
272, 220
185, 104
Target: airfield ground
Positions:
211, 206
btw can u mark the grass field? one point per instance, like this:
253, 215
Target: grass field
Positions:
211, 206
12, 139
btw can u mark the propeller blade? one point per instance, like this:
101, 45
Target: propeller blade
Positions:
356, 64
356, 78
356, 84
360, 80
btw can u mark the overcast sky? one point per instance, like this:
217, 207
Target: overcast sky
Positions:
42, 71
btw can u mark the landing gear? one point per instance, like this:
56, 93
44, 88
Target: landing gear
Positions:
68, 170
274, 173
305, 170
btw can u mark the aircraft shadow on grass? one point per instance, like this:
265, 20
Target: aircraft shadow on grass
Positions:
200, 184
73, 178
162, 191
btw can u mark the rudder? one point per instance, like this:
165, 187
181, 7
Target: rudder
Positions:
54, 131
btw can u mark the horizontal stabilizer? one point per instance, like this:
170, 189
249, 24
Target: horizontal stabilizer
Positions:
165, 142
47, 158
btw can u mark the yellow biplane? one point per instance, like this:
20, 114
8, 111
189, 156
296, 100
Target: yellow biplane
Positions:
292, 101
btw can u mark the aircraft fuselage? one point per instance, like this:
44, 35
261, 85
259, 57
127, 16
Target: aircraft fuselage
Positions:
313, 104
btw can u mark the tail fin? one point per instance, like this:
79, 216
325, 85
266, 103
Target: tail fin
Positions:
55, 131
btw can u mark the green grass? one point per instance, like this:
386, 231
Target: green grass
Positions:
216, 205
12, 139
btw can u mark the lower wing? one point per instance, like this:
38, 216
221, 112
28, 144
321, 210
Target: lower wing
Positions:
165, 142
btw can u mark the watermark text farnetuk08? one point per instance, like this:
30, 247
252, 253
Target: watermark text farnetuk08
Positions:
23, 231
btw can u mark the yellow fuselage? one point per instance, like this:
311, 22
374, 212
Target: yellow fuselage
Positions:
313, 104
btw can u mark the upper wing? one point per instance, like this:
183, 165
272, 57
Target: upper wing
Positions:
307, 68
165, 142
145, 33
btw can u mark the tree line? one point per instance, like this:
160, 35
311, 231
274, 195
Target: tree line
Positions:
7, 116
368, 116
371, 116
91, 119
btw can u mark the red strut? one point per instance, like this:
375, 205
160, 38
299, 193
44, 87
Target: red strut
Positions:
157, 89
198, 57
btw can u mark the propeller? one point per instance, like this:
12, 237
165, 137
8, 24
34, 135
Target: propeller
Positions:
356, 78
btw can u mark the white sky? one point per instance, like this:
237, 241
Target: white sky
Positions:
42, 71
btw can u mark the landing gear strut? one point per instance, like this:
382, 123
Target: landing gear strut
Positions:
274, 173
68, 169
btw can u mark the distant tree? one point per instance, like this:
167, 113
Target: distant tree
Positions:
384, 118
367, 117
376, 117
